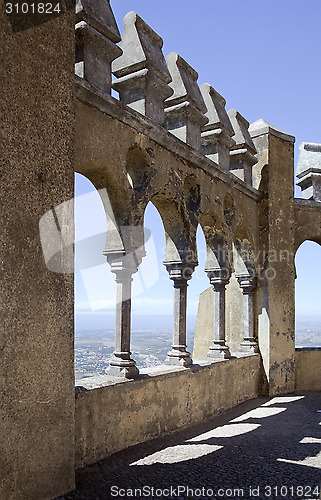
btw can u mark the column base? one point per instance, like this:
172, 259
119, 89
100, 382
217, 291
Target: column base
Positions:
122, 371
249, 346
120, 367
219, 352
178, 358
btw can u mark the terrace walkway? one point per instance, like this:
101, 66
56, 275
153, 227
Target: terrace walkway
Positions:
264, 448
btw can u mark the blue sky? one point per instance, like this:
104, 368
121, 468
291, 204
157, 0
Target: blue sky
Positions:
264, 58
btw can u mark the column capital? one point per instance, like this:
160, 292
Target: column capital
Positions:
122, 262
180, 271
247, 283
218, 277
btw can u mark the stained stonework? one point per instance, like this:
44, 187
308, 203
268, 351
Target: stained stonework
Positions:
165, 141
36, 339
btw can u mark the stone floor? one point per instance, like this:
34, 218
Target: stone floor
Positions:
265, 448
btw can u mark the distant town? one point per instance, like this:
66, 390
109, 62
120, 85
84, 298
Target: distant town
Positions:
94, 348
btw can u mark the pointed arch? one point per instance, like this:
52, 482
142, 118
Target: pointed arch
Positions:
94, 284
308, 294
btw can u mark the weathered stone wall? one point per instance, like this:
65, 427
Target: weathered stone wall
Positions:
36, 327
307, 221
275, 299
115, 417
308, 369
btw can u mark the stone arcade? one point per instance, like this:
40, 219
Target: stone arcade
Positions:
168, 141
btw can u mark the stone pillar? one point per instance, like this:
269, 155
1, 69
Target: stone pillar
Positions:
248, 285
37, 385
219, 349
121, 364
142, 73
180, 273
275, 296
309, 171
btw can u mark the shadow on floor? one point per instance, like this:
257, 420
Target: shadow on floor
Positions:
264, 448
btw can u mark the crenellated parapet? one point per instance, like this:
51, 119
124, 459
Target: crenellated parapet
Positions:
242, 155
309, 171
164, 91
96, 37
185, 109
217, 133
141, 71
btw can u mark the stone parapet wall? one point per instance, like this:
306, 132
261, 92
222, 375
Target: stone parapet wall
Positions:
113, 417
308, 369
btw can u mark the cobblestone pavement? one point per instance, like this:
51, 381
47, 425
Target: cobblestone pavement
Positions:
267, 448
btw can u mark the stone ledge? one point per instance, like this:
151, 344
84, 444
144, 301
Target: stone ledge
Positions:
160, 371
312, 349
261, 127
307, 204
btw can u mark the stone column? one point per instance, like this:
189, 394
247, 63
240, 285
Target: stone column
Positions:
219, 280
180, 273
121, 364
37, 385
248, 285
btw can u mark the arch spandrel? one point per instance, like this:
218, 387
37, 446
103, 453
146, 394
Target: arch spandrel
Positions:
180, 233
216, 241
243, 252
